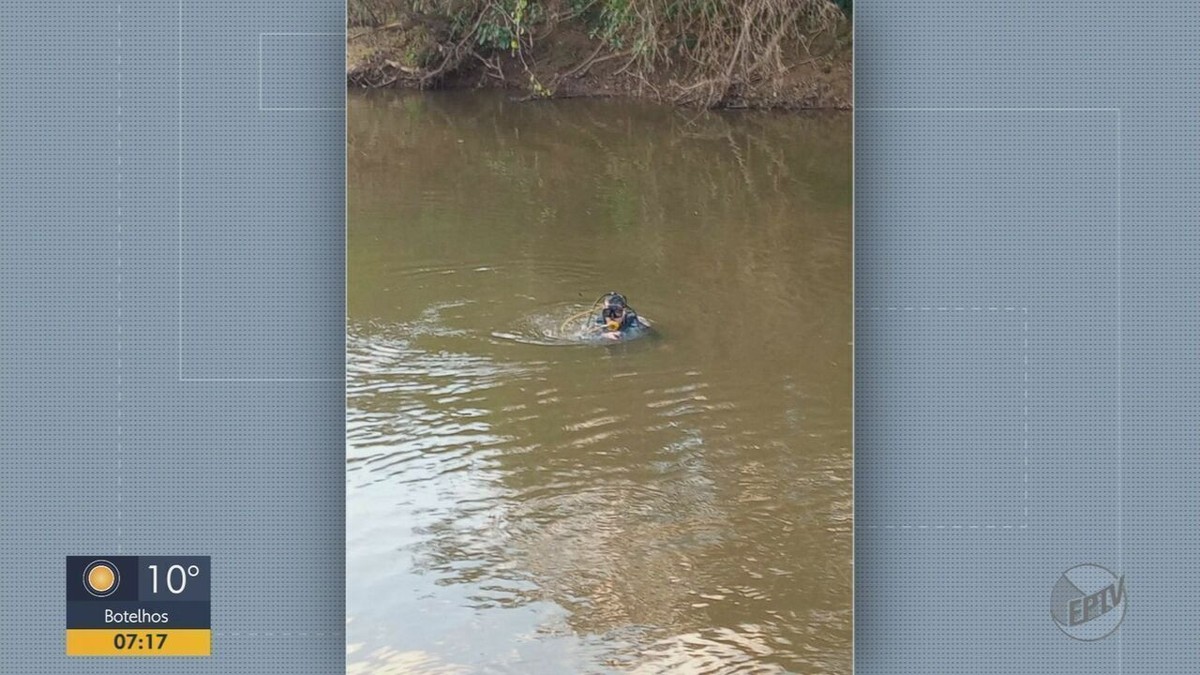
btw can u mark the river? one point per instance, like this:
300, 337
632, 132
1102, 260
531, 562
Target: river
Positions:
519, 502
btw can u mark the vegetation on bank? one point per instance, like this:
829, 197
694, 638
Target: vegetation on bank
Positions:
732, 53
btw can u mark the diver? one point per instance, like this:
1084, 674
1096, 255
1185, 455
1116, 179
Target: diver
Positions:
617, 318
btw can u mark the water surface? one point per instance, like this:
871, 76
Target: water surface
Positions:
522, 503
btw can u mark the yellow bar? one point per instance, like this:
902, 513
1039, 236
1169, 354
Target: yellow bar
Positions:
139, 642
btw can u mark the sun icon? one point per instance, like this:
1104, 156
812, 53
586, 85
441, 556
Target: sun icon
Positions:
101, 578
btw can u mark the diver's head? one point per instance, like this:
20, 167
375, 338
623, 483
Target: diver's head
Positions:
614, 309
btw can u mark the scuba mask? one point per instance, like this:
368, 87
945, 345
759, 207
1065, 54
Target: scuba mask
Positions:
612, 317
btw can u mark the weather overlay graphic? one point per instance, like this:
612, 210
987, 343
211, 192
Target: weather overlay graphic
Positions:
138, 606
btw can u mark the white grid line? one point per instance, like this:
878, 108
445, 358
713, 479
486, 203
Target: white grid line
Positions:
180, 188
1120, 357
1116, 110
260, 73
1025, 410
120, 290
1120, 369
179, 207
274, 634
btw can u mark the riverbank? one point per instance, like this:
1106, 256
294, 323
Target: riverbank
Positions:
762, 54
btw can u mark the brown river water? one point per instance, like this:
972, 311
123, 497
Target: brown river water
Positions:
523, 501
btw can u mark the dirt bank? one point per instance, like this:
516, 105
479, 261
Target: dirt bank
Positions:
419, 52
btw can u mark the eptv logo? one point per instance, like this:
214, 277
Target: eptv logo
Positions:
1088, 602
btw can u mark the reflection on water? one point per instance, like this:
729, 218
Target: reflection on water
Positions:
519, 502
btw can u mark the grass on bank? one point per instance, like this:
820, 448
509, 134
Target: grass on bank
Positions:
686, 51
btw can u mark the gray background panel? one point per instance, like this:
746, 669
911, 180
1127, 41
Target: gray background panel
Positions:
123, 433
120, 432
1063, 179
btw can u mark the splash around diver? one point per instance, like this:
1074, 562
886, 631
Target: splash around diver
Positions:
610, 319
